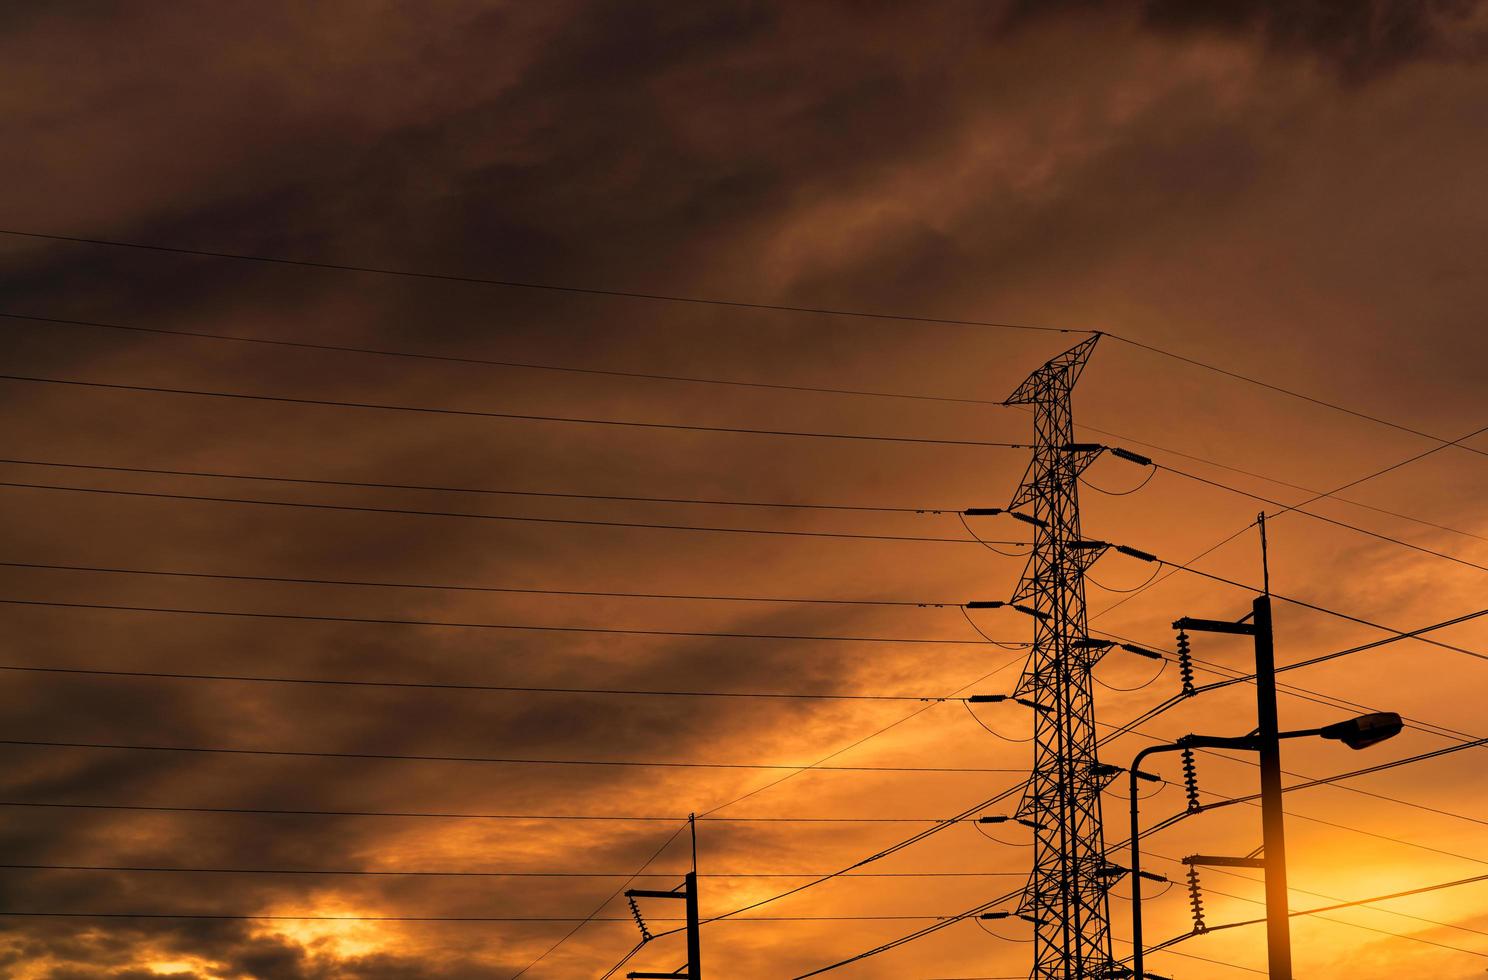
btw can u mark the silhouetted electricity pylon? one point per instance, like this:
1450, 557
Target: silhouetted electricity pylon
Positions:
1066, 897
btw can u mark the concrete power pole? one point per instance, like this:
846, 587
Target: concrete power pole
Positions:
1066, 897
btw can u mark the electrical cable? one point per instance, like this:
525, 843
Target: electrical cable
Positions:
1162, 666
464, 587
1139, 588
524, 365
1356, 904
998, 840
1369, 770
1287, 391
1007, 939
705, 301
852, 745
366, 485
992, 731
146, 869
988, 544
601, 906
307, 617
1297, 509
467, 515
386, 756
1231, 873
623, 692
1359, 504
1173, 571
1333, 612
515, 689
1151, 472
549, 287
415, 814
1005, 644
507, 416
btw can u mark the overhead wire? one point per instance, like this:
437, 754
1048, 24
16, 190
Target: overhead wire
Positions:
377, 873
489, 362
468, 515
857, 742
495, 760
601, 906
547, 287
507, 416
1298, 509
466, 587
1231, 873
489, 491
418, 814
1286, 391
384, 621
709, 301
432, 685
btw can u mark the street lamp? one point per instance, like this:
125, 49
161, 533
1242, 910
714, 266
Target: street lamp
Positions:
1356, 733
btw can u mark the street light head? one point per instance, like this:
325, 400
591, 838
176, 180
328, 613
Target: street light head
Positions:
1365, 730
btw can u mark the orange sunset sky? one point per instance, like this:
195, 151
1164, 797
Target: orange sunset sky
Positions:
1291, 193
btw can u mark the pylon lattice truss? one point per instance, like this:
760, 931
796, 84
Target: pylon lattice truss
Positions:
1066, 894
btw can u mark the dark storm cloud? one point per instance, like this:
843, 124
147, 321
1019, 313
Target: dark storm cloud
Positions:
1362, 39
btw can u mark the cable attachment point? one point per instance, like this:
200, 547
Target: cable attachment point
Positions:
1191, 780
635, 911
1185, 664
1196, 900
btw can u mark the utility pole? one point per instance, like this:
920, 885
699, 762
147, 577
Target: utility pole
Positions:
692, 969
1268, 748
1273, 822
1066, 897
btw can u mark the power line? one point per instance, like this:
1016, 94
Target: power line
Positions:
523, 365
549, 287
387, 756
149, 869
307, 617
416, 814
1330, 612
439, 918
450, 587
1353, 904
1368, 770
417, 685
1302, 891
508, 416
707, 301
1290, 392
362, 484
511, 518
1277, 481
1297, 508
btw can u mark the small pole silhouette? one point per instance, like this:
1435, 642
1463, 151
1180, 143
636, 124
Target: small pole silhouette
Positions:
692, 970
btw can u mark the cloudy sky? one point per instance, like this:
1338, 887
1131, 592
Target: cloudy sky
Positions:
1290, 192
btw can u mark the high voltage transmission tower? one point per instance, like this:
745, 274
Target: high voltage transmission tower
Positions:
1066, 897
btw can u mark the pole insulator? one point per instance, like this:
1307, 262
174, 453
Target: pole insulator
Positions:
1196, 900
1191, 780
635, 911
1185, 664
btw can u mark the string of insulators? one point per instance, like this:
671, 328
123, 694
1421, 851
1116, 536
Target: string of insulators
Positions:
1185, 664
1191, 780
1196, 899
635, 910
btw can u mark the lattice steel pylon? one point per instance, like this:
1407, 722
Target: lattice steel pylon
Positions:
1066, 896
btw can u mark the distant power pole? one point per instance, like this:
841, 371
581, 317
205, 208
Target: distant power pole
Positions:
693, 968
1066, 897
